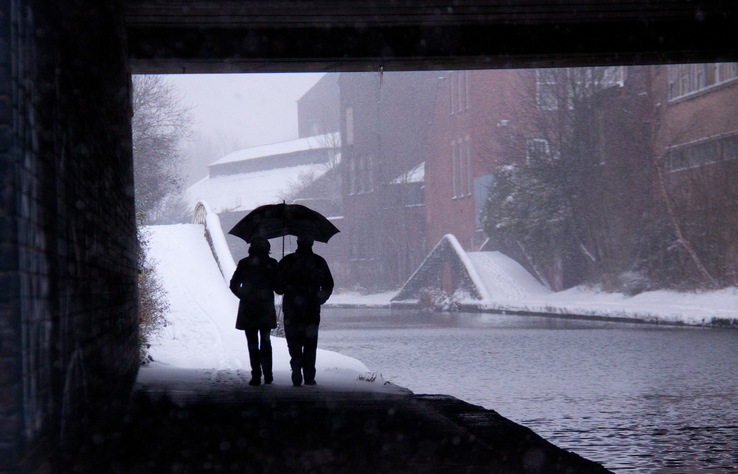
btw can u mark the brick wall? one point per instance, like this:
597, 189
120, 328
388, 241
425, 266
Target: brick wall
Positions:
68, 326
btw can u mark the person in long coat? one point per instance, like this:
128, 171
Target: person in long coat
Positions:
254, 282
306, 282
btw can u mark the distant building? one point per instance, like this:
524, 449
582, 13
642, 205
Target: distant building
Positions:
266, 174
384, 125
318, 109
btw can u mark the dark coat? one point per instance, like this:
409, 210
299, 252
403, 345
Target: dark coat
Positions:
253, 282
306, 282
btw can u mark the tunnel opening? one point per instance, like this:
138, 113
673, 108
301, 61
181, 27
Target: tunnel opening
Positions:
69, 327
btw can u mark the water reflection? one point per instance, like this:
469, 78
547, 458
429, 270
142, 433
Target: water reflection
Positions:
637, 398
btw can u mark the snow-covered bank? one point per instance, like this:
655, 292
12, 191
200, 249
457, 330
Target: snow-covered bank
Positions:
491, 281
200, 331
718, 307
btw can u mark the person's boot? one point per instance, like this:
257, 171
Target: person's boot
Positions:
296, 378
268, 378
255, 378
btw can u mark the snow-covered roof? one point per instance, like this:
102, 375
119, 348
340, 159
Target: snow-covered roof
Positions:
415, 175
246, 191
328, 140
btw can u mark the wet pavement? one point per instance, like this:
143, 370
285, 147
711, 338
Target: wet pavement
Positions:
192, 422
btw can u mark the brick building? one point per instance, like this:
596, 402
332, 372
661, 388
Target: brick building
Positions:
491, 118
384, 126
469, 138
695, 144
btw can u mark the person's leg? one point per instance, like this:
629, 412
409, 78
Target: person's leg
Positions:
294, 345
309, 352
265, 352
252, 338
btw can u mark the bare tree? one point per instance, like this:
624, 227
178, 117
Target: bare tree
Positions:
160, 121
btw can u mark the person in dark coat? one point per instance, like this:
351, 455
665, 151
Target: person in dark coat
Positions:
306, 282
253, 282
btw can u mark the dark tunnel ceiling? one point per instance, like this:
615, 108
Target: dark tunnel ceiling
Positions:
339, 35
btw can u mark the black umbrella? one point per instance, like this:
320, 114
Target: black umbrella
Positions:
277, 220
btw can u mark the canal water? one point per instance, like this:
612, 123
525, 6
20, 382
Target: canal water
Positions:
637, 398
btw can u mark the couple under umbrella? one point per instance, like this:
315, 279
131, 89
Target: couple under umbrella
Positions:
302, 277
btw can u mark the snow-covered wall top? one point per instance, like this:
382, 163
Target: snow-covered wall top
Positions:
216, 239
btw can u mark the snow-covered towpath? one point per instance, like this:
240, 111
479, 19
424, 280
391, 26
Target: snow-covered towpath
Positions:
200, 331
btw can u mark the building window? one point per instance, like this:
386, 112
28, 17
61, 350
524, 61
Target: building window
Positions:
451, 90
685, 79
546, 89
466, 80
461, 168
703, 152
414, 196
369, 174
361, 175
352, 174
350, 126
469, 185
453, 167
536, 150
459, 91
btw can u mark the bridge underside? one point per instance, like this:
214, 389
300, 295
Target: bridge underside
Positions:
332, 35
68, 319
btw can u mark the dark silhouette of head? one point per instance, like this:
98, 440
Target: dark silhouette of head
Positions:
304, 242
259, 246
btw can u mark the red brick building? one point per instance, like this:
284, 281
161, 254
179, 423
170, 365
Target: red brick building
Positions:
469, 138
696, 147
645, 126
490, 118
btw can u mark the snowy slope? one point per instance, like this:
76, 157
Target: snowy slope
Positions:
200, 332
504, 278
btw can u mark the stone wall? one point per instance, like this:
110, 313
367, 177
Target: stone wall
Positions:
68, 321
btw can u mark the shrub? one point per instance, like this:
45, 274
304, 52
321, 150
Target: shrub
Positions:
152, 299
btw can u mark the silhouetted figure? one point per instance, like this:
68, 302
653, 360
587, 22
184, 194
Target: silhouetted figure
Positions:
253, 282
306, 282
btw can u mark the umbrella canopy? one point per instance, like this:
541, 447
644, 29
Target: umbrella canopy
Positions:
276, 220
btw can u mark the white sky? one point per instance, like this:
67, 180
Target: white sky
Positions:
260, 108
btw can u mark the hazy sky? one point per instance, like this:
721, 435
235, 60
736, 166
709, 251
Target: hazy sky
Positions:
261, 108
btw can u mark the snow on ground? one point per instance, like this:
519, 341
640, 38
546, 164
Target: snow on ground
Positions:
511, 288
200, 331
655, 306
354, 298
